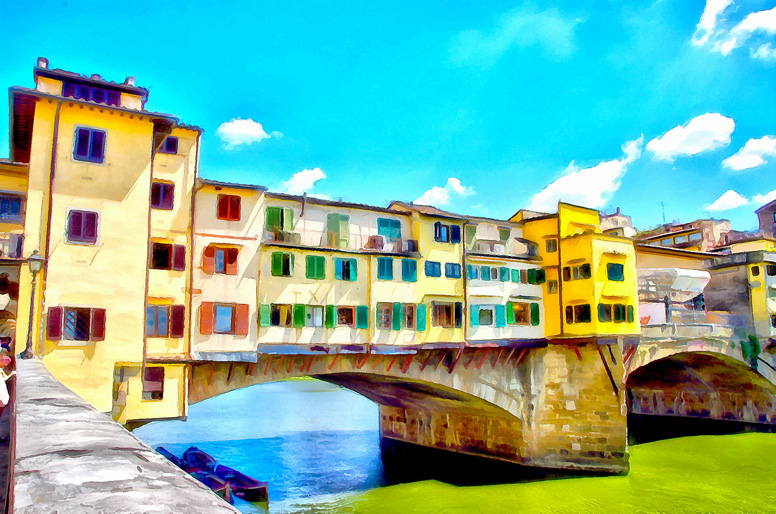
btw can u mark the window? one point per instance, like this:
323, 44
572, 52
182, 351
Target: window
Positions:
385, 316
153, 383
165, 320
279, 218
696, 236
75, 324
604, 312
666, 242
485, 271
345, 269
631, 315
169, 145
10, 207
220, 260
541, 276
447, 233
569, 314
615, 272
486, 316
552, 286
680, 239
584, 271
346, 316
515, 276
389, 229
385, 268
551, 245
520, 313
409, 270
224, 318
314, 316
316, 267
577, 272
770, 270
566, 274
91, 94
89, 145
282, 264
228, 207
494, 273
409, 315
582, 313
433, 269
280, 315
755, 271
503, 274
338, 230
618, 312
452, 270
472, 272
773, 320
82, 227
162, 195
168, 256
362, 316
448, 315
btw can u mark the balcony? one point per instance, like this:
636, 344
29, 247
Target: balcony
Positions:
516, 247
11, 246
353, 241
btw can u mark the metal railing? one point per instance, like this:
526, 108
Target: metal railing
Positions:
350, 241
11, 245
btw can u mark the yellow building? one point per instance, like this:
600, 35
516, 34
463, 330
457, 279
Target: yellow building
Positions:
108, 207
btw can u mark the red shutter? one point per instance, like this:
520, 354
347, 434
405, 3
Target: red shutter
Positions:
206, 318
222, 212
234, 207
231, 261
98, 324
243, 320
54, 324
209, 260
178, 257
178, 320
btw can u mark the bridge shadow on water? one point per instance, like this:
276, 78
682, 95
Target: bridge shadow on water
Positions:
644, 428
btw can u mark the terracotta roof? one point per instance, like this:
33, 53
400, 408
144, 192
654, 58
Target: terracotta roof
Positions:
430, 210
332, 203
90, 80
217, 183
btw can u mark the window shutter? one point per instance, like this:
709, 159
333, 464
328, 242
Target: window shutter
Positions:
338, 265
54, 324
535, 314
353, 270
396, 316
290, 264
310, 266
330, 318
437, 231
474, 316
631, 316
458, 314
540, 276
243, 319
299, 313
234, 207
531, 276
277, 264
231, 261
421, 323
206, 318
516, 276
264, 315
455, 234
222, 211
209, 260
90, 227
97, 153
75, 225
177, 320
272, 218
288, 219
510, 313
504, 274
98, 325
485, 272
178, 257
362, 316
501, 316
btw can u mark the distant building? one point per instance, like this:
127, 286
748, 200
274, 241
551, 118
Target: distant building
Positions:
617, 224
767, 216
699, 235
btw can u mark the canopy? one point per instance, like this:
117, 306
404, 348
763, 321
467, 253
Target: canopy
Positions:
680, 285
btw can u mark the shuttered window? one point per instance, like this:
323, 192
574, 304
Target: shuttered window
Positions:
153, 383
224, 318
362, 316
433, 269
338, 230
390, 229
282, 264
385, 268
279, 218
409, 270
168, 256
82, 227
75, 324
228, 207
345, 269
89, 145
315, 267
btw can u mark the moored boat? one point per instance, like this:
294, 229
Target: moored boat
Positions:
217, 485
195, 459
243, 486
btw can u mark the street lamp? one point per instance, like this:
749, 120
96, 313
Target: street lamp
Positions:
35, 262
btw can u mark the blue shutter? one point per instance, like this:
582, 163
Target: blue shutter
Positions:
421, 317
501, 316
353, 270
338, 264
474, 317
455, 234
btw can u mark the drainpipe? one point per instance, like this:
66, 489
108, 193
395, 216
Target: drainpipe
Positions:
465, 277
561, 314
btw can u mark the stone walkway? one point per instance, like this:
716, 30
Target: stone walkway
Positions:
70, 458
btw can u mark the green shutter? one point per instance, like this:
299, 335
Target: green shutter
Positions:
344, 231
469, 232
310, 266
540, 276
288, 219
277, 264
397, 315
630, 314
264, 314
299, 314
362, 316
485, 273
510, 313
535, 314
504, 274
516, 276
330, 317
474, 316
421, 322
290, 264
501, 316
601, 312
353, 270
531, 276
273, 218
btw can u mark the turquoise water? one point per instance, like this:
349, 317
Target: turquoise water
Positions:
318, 447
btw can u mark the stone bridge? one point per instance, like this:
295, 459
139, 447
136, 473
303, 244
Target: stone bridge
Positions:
555, 405
700, 373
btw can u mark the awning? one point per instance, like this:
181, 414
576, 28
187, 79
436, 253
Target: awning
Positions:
679, 284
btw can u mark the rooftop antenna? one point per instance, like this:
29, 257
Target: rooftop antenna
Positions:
662, 205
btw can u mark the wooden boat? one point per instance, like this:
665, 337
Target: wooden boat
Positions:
169, 456
195, 459
218, 486
243, 486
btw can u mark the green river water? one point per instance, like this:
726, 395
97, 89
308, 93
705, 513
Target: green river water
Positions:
730, 473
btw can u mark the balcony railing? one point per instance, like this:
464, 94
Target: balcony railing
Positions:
11, 246
351, 241
514, 248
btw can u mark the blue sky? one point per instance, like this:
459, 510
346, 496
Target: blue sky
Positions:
478, 109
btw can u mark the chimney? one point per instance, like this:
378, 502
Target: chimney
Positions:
43, 63
95, 76
130, 81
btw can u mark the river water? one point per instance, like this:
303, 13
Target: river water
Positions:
318, 447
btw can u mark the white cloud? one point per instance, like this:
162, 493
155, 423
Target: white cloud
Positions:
524, 27
760, 200
751, 155
706, 25
588, 187
303, 181
238, 132
764, 52
729, 200
705, 132
441, 195
756, 22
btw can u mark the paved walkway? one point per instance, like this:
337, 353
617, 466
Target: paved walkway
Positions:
71, 458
